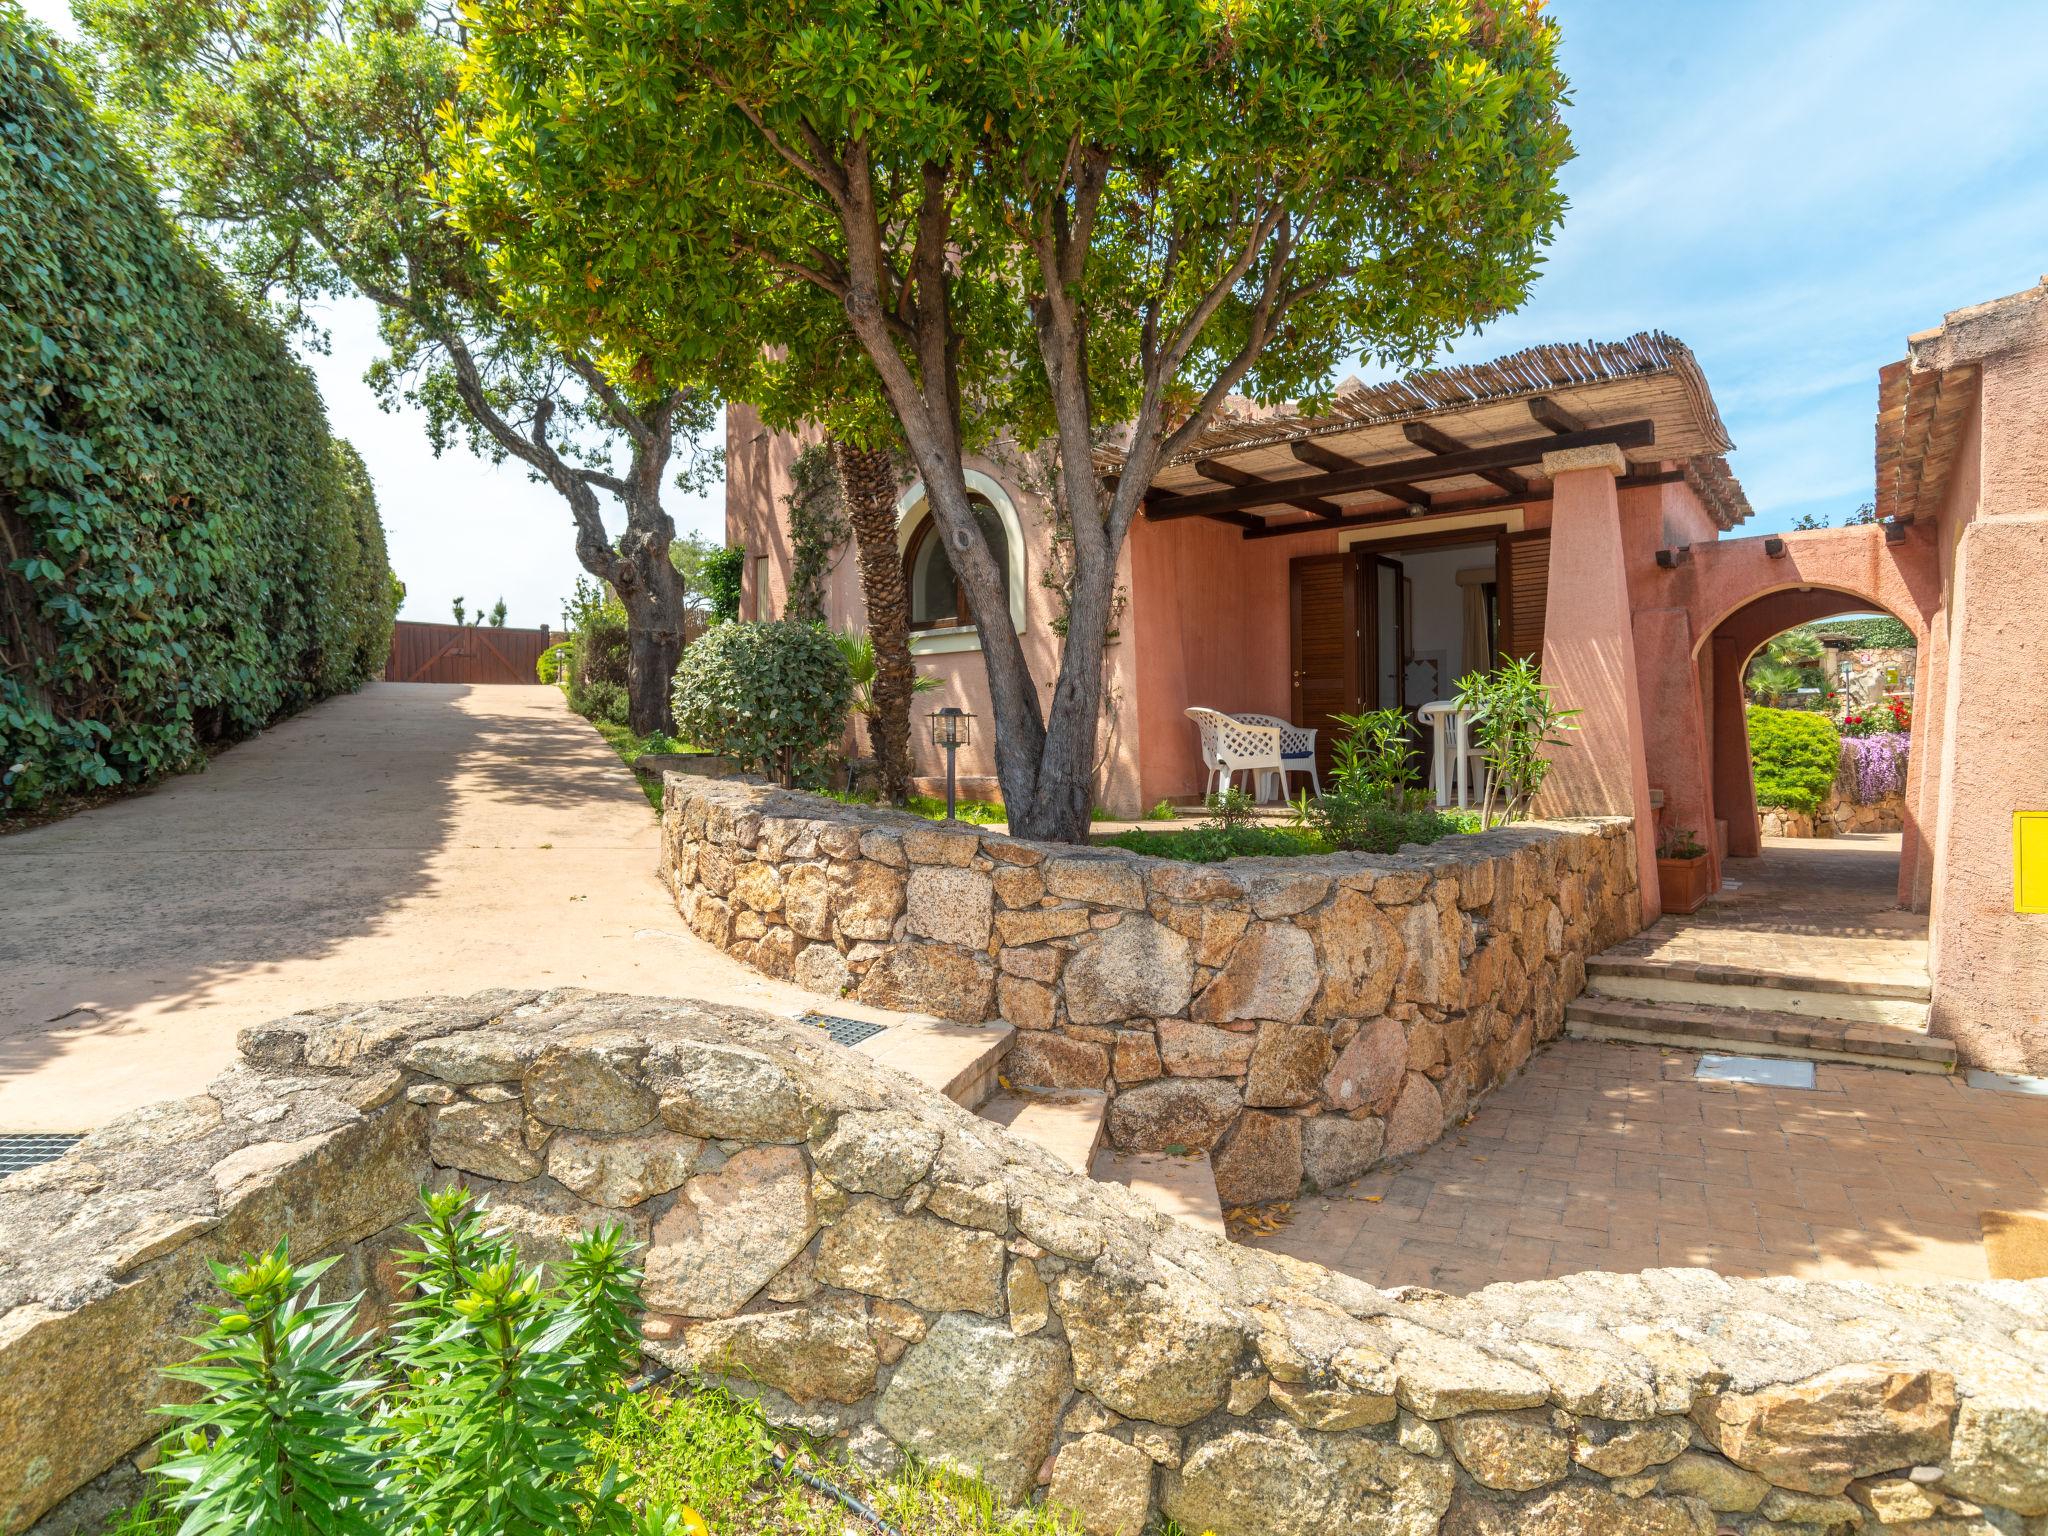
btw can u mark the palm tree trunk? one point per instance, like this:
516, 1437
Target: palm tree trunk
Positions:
867, 479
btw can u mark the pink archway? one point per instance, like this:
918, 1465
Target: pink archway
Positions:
1699, 622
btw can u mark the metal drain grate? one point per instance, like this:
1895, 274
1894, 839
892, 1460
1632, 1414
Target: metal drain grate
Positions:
26, 1149
842, 1031
1764, 1071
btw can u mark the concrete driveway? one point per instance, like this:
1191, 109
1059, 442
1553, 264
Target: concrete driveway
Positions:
408, 839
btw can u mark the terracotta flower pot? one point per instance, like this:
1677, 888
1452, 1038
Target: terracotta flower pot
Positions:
1683, 885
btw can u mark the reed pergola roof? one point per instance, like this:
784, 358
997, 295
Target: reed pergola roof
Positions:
1454, 439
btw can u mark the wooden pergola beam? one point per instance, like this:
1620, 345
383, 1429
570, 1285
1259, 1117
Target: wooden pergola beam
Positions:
1230, 474
1266, 530
1549, 413
1310, 452
1374, 477
1438, 441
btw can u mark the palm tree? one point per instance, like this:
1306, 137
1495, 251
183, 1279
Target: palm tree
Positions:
858, 647
867, 483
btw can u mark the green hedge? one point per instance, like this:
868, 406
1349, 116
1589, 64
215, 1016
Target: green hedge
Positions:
1795, 753
186, 551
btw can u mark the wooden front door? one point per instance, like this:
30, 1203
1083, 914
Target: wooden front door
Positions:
1326, 643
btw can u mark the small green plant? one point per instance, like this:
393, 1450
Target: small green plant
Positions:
498, 614
1376, 754
1679, 843
1515, 724
1229, 808
772, 694
1163, 811
498, 1384
1795, 754
858, 647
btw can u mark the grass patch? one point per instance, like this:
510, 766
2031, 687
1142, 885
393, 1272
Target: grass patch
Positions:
631, 745
983, 813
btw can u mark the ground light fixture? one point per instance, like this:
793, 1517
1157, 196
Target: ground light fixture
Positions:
952, 728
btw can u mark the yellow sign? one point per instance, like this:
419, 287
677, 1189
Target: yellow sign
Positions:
2030, 861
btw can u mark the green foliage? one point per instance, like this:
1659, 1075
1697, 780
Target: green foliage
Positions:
1367, 805
594, 672
817, 530
1680, 843
1880, 632
1229, 808
982, 813
1371, 829
1163, 811
773, 694
1377, 750
550, 665
1515, 725
858, 647
186, 553
711, 1449
1795, 754
276, 1441
724, 573
498, 1383
938, 223
1210, 844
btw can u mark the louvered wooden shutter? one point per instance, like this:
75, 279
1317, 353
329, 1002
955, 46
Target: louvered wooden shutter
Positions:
1526, 590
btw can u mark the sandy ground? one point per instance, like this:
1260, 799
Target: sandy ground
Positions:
412, 838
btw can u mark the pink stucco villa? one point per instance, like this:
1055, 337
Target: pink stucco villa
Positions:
1571, 503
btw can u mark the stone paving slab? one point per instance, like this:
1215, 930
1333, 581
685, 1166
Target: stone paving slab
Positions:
1613, 1157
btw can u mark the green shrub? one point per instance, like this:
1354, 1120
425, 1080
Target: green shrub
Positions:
189, 554
1795, 754
555, 661
773, 694
1514, 725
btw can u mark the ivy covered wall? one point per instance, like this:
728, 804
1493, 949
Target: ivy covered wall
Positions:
186, 552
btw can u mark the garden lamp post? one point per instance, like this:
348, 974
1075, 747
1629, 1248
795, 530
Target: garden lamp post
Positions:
952, 728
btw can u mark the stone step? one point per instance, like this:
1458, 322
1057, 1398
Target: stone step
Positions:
1897, 1002
1180, 1187
1757, 1032
1067, 1122
959, 1060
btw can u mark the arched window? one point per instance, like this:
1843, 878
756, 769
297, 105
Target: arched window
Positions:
938, 599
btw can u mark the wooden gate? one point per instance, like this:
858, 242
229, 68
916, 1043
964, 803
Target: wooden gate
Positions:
465, 653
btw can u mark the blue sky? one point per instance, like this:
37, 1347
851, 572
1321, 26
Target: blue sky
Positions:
1790, 188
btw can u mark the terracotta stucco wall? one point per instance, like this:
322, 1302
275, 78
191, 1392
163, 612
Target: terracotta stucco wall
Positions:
758, 481
1990, 962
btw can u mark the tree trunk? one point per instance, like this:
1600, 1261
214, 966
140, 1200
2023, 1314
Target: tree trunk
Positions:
652, 590
867, 478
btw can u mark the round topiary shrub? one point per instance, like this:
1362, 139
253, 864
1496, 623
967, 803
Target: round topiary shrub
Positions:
774, 695
1796, 754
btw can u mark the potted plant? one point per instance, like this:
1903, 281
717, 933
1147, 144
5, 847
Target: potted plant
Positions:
1683, 873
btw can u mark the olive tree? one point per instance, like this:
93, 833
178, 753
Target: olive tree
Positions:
1060, 219
303, 145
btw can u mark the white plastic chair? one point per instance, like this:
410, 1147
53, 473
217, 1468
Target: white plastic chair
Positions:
1457, 768
1297, 753
1230, 747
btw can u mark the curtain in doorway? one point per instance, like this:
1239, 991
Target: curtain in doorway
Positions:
1475, 632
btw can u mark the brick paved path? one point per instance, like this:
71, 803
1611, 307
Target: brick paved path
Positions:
1612, 1157
1816, 906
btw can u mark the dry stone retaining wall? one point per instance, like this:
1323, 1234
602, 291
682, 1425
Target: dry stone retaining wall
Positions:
1299, 1018
879, 1267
